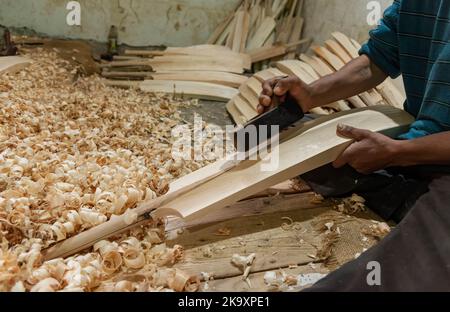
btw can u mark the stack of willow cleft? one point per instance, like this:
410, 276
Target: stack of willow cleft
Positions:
325, 60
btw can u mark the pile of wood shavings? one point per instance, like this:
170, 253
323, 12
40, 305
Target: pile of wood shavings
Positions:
74, 153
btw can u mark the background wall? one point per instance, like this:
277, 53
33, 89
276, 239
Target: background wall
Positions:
170, 22
322, 17
141, 22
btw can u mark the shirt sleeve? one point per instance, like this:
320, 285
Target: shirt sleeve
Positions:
382, 47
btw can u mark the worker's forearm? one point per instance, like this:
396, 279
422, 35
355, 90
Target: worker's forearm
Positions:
430, 150
356, 77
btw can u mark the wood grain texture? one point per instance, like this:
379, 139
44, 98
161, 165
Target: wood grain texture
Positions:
221, 78
249, 95
268, 74
262, 34
235, 114
311, 149
244, 107
13, 64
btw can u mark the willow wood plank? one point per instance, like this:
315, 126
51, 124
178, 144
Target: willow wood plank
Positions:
221, 78
345, 42
202, 52
235, 114
255, 85
239, 40
249, 95
296, 33
262, 34
337, 49
13, 64
307, 151
201, 90
268, 74
244, 107
224, 60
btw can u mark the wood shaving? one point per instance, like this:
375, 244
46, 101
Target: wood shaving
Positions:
74, 153
244, 263
317, 199
287, 226
223, 232
352, 205
378, 230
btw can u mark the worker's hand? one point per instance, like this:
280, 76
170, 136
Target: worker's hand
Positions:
280, 87
369, 153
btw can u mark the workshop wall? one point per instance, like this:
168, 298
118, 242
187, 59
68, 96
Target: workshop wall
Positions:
171, 22
322, 17
141, 22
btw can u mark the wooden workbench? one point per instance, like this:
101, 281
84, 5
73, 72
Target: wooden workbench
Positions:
264, 226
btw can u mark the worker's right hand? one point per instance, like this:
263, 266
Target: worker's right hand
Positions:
280, 87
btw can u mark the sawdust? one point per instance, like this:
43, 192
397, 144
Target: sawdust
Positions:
73, 154
343, 237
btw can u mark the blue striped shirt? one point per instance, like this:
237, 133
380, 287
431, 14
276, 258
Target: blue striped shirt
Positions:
412, 39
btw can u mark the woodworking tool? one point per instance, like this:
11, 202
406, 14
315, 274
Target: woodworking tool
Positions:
113, 38
283, 113
7, 47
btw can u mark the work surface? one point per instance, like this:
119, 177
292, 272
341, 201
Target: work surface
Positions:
296, 236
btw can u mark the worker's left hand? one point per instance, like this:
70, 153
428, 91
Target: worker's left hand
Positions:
369, 153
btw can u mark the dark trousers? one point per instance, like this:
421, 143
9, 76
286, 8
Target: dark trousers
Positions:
415, 256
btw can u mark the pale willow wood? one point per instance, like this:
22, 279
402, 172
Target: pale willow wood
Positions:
221, 78
307, 151
268, 74
262, 34
13, 64
244, 107
202, 90
237, 116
